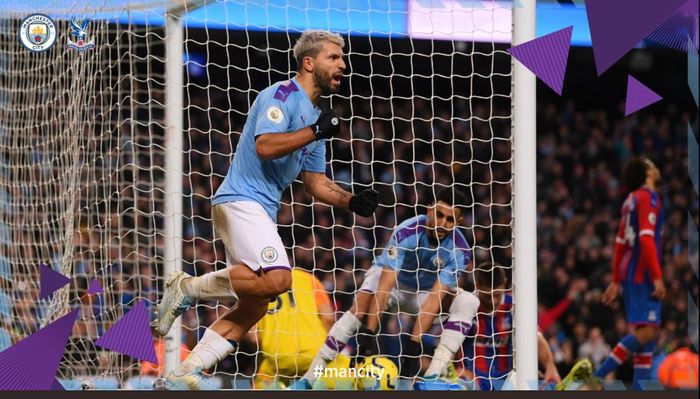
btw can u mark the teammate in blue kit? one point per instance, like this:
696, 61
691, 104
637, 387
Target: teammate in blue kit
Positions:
285, 135
417, 271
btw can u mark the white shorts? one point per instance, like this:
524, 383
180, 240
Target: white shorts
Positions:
249, 235
408, 301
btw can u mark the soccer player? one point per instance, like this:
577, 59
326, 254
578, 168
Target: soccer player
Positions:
284, 135
637, 270
488, 353
418, 271
293, 330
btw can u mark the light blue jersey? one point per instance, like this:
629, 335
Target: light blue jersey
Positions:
418, 262
281, 108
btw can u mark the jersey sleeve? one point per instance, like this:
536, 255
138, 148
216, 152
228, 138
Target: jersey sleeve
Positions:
618, 250
647, 228
316, 160
393, 255
273, 114
647, 216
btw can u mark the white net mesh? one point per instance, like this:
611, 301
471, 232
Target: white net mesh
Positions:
82, 147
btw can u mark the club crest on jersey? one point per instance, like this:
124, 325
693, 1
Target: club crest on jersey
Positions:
80, 34
438, 261
652, 315
392, 252
37, 32
269, 254
652, 218
275, 114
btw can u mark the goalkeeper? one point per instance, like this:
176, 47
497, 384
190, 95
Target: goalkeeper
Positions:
284, 135
292, 331
418, 271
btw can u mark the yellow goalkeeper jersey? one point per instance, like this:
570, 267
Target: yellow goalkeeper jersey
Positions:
291, 333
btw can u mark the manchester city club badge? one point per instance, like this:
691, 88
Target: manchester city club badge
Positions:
78, 37
37, 32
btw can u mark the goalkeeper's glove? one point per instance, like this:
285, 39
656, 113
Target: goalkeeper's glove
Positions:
327, 125
367, 344
410, 359
364, 203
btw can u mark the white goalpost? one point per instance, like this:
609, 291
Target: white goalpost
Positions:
109, 158
173, 169
525, 204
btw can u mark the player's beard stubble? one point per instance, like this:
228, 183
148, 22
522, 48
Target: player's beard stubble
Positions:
323, 80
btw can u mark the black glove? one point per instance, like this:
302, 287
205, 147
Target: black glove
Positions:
327, 125
367, 344
410, 359
365, 203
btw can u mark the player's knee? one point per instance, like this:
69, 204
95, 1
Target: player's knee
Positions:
278, 282
646, 334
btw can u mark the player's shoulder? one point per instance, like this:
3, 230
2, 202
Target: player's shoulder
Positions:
410, 227
459, 241
281, 91
646, 195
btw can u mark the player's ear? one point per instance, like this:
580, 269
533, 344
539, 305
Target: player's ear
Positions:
307, 63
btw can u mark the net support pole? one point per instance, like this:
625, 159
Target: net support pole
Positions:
524, 204
173, 170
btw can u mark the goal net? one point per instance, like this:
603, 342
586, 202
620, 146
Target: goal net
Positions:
425, 104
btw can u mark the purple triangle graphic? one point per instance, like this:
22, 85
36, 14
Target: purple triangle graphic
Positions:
612, 39
131, 335
546, 56
50, 280
57, 386
638, 96
680, 30
31, 364
95, 287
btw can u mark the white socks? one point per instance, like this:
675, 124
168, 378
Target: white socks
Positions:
210, 350
213, 286
338, 337
450, 341
346, 327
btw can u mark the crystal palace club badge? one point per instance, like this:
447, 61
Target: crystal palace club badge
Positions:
78, 38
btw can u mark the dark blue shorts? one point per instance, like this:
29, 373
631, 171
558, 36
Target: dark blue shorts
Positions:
640, 306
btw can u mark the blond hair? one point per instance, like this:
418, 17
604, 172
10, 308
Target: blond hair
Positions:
311, 42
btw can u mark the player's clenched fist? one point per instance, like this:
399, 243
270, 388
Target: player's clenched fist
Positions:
364, 203
327, 125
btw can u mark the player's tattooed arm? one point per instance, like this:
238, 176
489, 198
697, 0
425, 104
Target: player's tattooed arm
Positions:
326, 190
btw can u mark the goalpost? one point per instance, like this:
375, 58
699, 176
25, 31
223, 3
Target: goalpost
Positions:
110, 156
525, 204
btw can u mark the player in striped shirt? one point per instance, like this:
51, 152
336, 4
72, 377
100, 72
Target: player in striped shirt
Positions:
488, 350
637, 270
